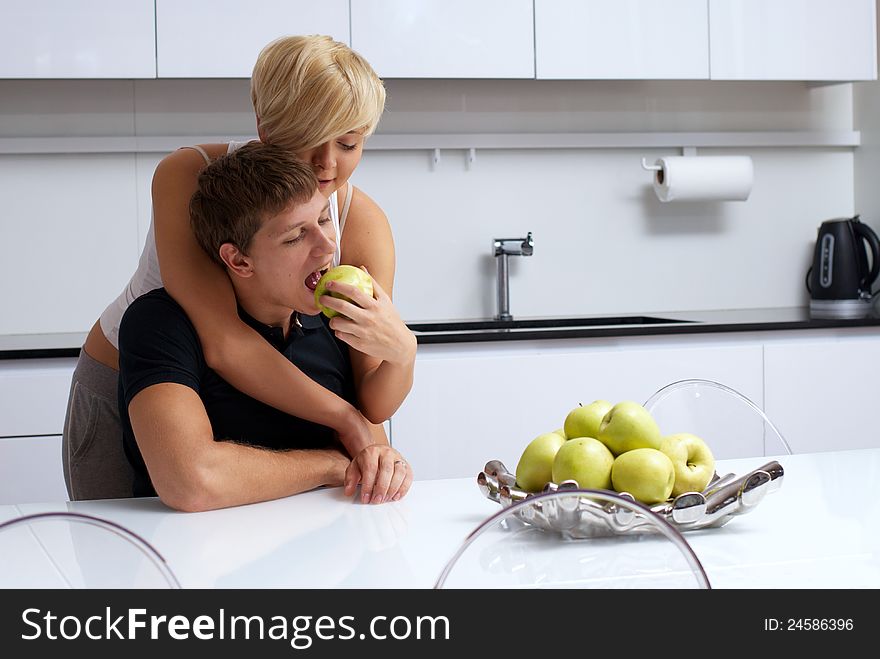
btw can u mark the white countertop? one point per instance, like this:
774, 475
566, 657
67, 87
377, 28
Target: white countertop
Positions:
821, 529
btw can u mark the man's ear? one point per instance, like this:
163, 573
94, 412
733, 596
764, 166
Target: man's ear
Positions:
238, 263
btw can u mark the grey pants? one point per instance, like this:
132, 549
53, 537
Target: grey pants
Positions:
95, 466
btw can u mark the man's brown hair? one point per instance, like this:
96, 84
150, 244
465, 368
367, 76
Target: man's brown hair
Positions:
239, 190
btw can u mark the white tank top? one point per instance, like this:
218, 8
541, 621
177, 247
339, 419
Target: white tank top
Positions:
147, 276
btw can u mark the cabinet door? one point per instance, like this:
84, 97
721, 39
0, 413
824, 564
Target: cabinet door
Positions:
33, 396
793, 39
465, 411
31, 470
83, 39
822, 394
445, 38
621, 39
222, 38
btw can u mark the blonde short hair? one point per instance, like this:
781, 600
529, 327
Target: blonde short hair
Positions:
308, 90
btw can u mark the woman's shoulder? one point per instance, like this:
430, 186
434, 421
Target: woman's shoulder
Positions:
191, 157
179, 169
367, 239
365, 211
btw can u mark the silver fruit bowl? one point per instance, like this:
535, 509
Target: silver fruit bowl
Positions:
724, 498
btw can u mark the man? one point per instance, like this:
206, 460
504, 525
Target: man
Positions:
193, 439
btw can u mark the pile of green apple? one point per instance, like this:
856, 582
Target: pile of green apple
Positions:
617, 447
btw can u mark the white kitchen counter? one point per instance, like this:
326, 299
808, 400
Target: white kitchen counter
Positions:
821, 529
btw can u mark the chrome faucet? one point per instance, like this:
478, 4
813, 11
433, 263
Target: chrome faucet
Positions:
502, 248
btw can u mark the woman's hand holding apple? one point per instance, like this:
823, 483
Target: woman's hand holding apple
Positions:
370, 323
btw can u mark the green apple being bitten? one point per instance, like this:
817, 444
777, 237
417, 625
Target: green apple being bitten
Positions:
347, 274
584, 420
646, 473
585, 460
693, 462
627, 426
535, 467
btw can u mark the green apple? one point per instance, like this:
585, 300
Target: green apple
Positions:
347, 274
535, 467
627, 426
646, 473
693, 462
584, 420
585, 460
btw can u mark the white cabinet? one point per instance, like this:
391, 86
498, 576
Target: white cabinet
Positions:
83, 39
445, 38
31, 470
548, 39
33, 396
793, 39
823, 393
621, 39
469, 408
33, 401
222, 38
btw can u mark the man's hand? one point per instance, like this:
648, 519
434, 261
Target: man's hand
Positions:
382, 473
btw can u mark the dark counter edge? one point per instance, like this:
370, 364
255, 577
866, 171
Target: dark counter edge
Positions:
39, 353
641, 330
692, 323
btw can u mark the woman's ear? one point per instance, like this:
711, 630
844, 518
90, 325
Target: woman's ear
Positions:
236, 261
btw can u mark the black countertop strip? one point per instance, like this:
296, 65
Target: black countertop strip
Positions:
34, 346
41, 346
633, 330
671, 323
39, 353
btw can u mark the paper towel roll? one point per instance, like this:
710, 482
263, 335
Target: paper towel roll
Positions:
704, 178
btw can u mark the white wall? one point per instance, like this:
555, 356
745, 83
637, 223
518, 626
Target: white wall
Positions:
604, 244
867, 159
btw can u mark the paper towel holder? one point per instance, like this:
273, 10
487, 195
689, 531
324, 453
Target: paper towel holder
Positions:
685, 151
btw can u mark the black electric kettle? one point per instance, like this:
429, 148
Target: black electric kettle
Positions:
846, 263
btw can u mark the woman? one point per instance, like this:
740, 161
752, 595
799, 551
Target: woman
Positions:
319, 99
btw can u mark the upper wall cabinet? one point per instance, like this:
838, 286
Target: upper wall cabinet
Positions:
793, 39
621, 39
83, 39
222, 38
445, 38
825, 40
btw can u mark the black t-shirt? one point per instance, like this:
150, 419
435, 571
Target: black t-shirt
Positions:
158, 344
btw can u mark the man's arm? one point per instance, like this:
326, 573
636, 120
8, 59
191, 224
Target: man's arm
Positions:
192, 472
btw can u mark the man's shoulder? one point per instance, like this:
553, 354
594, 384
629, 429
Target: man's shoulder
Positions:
157, 297
157, 344
156, 305
152, 314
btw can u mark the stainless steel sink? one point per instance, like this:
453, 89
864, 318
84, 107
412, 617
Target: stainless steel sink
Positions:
540, 323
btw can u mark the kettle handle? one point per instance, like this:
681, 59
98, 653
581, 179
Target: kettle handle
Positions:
867, 234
